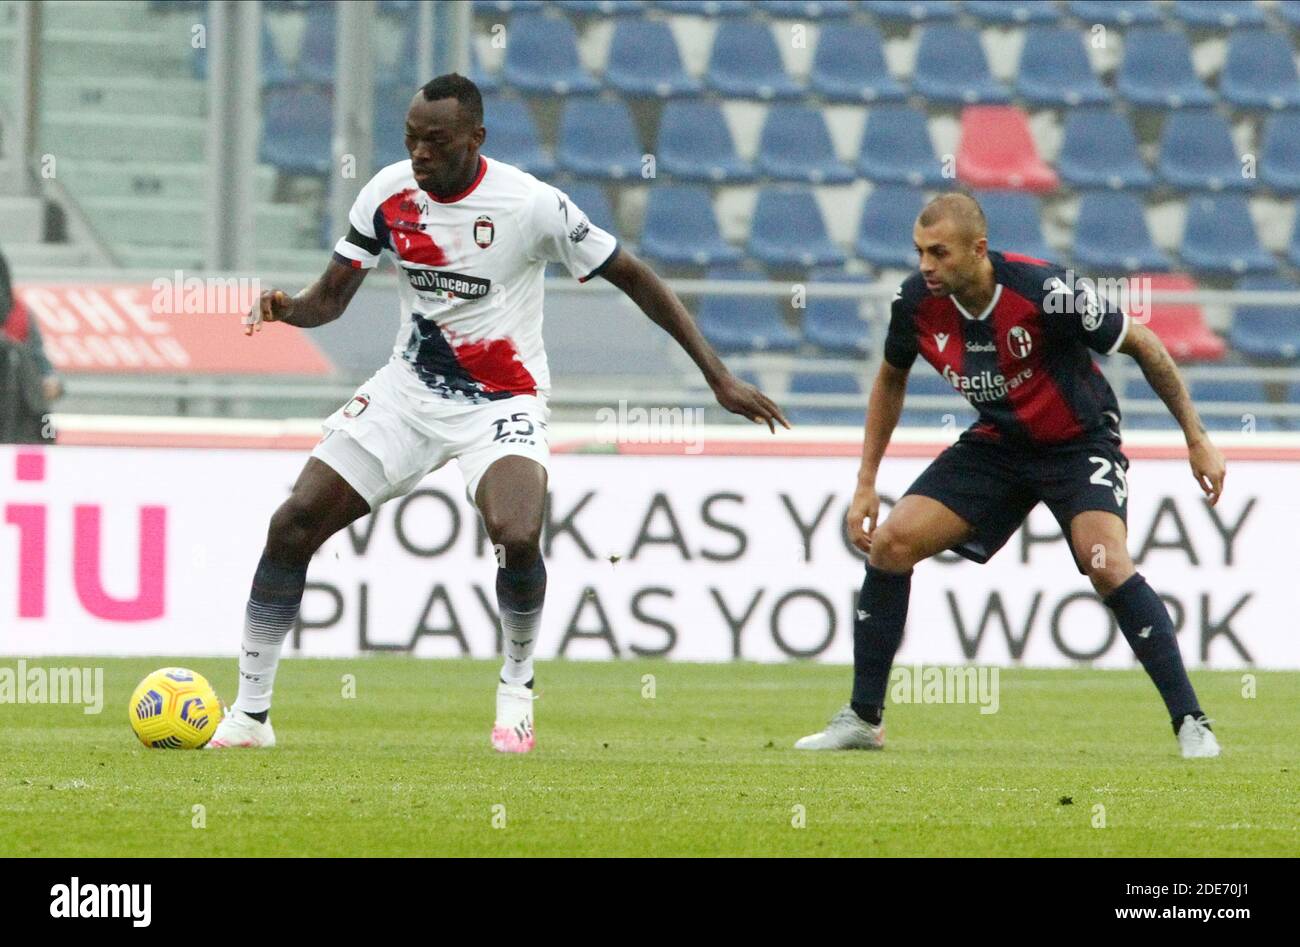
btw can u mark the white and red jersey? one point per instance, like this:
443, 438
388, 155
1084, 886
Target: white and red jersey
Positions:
472, 267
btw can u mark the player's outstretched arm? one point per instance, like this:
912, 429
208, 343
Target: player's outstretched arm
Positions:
1208, 466
321, 302
884, 408
652, 295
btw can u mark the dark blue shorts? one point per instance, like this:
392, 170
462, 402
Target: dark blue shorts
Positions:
993, 486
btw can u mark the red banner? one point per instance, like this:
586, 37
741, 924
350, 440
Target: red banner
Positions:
173, 326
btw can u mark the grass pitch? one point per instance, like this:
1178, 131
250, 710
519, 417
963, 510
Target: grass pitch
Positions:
705, 767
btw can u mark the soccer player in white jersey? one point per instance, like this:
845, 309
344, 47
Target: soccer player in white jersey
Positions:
467, 381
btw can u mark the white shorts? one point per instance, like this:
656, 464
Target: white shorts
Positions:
384, 441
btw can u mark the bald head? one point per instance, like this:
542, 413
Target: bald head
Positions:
961, 209
951, 241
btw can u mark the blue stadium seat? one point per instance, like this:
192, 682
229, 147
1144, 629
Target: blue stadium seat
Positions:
849, 66
1013, 11
592, 201
644, 61
1015, 223
807, 9
951, 67
512, 135
788, 230
695, 144
835, 325
885, 231
923, 380
827, 383
391, 105
680, 228
1220, 239
1267, 332
1279, 159
745, 63
296, 129
1196, 152
1260, 71
1229, 14
744, 323
273, 69
926, 381
896, 148
912, 11
542, 57
408, 64
1157, 70
601, 7
1054, 70
1111, 234
490, 7
597, 140
1100, 150
317, 48
1115, 12
1289, 10
487, 82
1209, 391
796, 146
709, 8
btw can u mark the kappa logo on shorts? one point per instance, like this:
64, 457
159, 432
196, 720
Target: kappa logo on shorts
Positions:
484, 231
356, 406
1019, 341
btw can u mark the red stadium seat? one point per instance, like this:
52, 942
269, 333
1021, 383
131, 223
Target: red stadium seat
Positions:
997, 151
1181, 326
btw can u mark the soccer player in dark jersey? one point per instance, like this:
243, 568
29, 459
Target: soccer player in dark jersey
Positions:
1009, 334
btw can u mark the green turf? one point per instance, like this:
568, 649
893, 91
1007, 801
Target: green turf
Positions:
703, 768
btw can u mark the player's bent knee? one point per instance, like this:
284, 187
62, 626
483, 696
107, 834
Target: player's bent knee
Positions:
891, 550
518, 544
294, 530
1106, 579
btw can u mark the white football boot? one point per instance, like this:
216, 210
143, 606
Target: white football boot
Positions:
513, 730
846, 731
238, 729
1196, 739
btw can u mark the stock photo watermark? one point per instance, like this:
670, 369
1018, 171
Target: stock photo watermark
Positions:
657, 425
919, 684
55, 685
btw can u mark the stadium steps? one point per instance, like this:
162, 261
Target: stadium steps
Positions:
136, 221
81, 53
63, 256
22, 220
91, 134
120, 95
170, 180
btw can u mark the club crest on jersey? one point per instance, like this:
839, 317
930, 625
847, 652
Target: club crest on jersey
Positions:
1019, 341
356, 406
484, 231
941, 340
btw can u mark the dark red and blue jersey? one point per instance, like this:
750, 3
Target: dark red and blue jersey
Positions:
1024, 362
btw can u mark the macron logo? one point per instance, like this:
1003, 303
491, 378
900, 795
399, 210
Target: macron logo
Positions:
1145, 632
941, 340
127, 900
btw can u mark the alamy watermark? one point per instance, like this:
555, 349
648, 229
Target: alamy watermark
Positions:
59, 685
637, 425
946, 685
